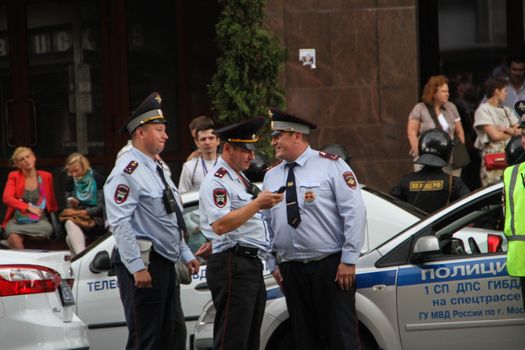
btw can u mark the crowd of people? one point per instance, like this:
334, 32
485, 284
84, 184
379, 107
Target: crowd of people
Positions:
477, 133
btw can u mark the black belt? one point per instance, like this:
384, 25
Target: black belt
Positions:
243, 250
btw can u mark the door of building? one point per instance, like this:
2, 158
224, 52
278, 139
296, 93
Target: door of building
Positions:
71, 71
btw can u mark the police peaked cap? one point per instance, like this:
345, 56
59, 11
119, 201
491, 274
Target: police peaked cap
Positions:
519, 107
283, 121
149, 112
242, 133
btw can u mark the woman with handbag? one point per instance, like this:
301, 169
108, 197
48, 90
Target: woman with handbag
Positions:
495, 124
435, 111
29, 197
84, 213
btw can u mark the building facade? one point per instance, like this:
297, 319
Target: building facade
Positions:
72, 71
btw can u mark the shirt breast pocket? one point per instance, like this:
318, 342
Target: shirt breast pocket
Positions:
154, 205
241, 199
309, 193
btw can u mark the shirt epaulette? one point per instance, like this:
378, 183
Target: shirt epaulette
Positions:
130, 168
273, 165
220, 173
328, 155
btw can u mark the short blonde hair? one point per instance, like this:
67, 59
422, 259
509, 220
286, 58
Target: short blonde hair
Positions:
77, 158
16, 153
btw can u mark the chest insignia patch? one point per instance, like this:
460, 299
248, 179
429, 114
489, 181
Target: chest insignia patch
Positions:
130, 168
434, 185
220, 197
121, 193
328, 155
220, 173
309, 197
350, 179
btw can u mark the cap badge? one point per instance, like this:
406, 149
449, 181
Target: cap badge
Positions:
158, 99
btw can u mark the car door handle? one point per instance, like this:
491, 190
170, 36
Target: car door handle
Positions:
202, 286
379, 287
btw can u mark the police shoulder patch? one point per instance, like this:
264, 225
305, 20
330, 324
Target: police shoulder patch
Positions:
350, 179
121, 193
220, 173
130, 168
220, 197
328, 155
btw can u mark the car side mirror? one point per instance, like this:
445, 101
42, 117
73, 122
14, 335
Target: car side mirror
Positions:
100, 263
424, 247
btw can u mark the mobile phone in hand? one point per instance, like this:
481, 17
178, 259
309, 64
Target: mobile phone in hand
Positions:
280, 190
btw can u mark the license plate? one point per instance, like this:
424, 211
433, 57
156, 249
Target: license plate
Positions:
66, 295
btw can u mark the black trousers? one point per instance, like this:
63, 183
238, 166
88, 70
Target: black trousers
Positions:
150, 312
323, 316
239, 296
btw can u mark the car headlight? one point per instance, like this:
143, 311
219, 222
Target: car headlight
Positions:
208, 314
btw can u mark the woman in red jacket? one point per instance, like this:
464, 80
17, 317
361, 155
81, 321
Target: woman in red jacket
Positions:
29, 196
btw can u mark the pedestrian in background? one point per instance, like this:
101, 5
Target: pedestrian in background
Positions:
495, 124
84, 196
145, 217
195, 169
29, 196
317, 236
230, 213
435, 111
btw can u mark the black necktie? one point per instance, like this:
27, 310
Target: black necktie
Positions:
178, 212
292, 207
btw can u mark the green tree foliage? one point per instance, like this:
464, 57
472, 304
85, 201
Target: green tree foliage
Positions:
245, 83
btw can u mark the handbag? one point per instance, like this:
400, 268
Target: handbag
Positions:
460, 157
83, 221
183, 274
495, 161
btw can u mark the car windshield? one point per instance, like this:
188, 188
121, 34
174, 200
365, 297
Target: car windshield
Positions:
406, 206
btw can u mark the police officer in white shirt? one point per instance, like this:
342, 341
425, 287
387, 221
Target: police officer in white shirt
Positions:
145, 217
317, 235
230, 213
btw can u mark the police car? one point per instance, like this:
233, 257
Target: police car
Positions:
96, 289
36, 302
440, 284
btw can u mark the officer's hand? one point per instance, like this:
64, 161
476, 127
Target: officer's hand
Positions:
345, 276
193, 266
204, 251
142, 279
278, 278
267, 199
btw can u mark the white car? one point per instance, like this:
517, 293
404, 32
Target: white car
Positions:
36, 302
439, 284
96, 288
